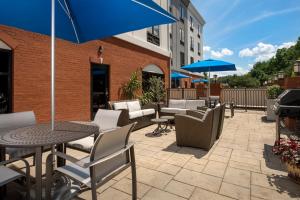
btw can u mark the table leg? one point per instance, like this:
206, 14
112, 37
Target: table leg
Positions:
38, 173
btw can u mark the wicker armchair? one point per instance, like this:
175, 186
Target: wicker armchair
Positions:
197, 129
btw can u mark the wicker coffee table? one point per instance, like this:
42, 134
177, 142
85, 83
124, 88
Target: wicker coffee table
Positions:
159, 122
169, 122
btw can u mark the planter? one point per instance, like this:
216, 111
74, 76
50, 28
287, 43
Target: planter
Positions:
293, 172
270, 112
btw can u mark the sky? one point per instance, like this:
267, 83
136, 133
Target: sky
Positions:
247, 31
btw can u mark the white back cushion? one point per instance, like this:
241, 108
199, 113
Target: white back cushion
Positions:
193, 104
174, 103
107, 119
133, 106
120, 105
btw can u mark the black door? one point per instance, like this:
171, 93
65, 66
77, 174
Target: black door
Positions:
99, 87
5, 81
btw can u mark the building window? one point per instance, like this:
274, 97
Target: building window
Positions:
199, 30
153, 35
191, 23
171, 62
5, 81
182, 63
181, 35
199, 49
192, 60
182, 13
192, 44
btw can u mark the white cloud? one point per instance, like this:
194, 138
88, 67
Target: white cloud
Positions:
206, 48
227, 52
219, 54
263, 51
239, 71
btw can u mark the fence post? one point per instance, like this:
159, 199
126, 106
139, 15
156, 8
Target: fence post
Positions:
182, 94
168, 94
246, 106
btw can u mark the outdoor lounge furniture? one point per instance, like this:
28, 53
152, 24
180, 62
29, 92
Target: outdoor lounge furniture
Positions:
106, 120
8, 175
13, 121
181, 106
111, 154
197, 129
132, 111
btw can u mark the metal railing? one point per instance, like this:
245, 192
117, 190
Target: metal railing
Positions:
181, 93
245, 97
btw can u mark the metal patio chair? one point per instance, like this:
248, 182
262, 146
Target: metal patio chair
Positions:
13, 121
107, 120
8, 175
111, 154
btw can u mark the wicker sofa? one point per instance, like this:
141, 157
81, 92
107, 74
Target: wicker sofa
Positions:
181, 106
132, 111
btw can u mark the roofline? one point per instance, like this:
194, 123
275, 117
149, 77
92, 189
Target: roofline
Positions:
198, 15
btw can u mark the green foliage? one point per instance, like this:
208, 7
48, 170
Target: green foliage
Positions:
283, 61
274, 91
132, 86
146, 98
155, 92
240, 81
156, 88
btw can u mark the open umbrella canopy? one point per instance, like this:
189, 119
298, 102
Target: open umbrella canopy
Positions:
200, 80
83, 20
210, 65
177, 75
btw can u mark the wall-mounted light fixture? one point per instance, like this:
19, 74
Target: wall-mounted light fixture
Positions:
280, 75
297, 67
215, 78
99, 53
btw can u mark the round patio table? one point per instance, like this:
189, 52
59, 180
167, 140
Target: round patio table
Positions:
41, 135
169, 122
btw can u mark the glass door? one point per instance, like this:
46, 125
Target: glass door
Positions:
99, 88
5, 81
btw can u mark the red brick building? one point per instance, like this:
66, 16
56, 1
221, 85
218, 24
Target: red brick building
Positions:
30, 72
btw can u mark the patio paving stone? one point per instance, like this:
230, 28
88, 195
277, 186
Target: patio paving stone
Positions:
235, 191
201, 194
180, 189
156, 194
237, 177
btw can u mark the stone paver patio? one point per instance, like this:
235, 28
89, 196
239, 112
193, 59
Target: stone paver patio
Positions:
239, 166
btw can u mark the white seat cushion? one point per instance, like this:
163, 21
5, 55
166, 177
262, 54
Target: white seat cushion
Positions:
135, 114
133, 106
148, 111
85, 144
174, 110
174, 103
193, 104
107, 119
120, 105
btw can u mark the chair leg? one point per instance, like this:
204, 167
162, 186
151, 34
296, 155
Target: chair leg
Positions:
49, 174
133, 173
93, 183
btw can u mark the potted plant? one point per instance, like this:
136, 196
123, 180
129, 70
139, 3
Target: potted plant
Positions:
131, 88
289, 151
272, 93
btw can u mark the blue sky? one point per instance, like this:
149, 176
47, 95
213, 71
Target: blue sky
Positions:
246, 31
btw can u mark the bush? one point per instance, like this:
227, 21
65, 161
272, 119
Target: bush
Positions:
274, 91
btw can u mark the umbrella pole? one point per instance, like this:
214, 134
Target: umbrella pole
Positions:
208, 89
52, 64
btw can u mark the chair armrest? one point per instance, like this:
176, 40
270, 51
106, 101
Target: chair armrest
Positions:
14, 160
93, 163
202, 108
196, 113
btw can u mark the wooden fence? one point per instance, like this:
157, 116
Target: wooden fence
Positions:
245, 97
181, 93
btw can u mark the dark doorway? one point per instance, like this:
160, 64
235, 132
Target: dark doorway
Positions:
99, 87
5, 81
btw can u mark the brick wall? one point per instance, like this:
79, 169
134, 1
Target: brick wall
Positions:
31, 72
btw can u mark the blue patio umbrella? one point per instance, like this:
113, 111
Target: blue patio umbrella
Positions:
200, 80
80, 21
210, 65
177, 76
